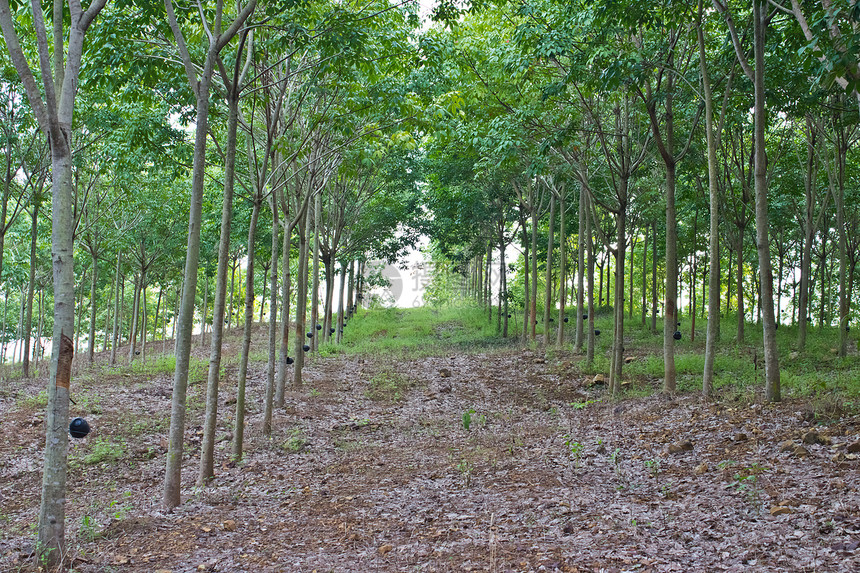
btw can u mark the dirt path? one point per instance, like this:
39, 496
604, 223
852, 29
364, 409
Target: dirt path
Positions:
372, 469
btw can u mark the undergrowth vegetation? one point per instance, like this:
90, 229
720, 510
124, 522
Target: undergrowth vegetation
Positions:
830, 384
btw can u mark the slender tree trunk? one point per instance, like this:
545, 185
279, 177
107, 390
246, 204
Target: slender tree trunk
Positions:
185, 320
630, 274
808, 234
654, 278
771, 357
562, 269
740, 288
532, 319
31, 285
315, 279
132, 342
92, 335
340, 309
713, 332
80, 304
207, 448
285, 316
489, 288
618, 310
302, 296
526, 276
156, 316
239, 430
669, 307
644, 278
230, 311
503, 294
143, 321
589, 347
117, 314
351, 291
580, 271
205, 316
547, 298
273, 322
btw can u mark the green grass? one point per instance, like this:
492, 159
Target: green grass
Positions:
198, 369
816, 375
104, 450
417, 332
388, 384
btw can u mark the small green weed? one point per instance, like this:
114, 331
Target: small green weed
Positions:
388, 385
575, 449
466, 468
39, 401
295, 442
87, 530
103, 450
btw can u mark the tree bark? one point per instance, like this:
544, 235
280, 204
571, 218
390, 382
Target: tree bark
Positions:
172, 480
268, 401
239, 430
31, 285
580, 271
210, 418
562, 268
547, 298
771, 357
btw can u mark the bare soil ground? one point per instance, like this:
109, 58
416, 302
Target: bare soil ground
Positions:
371, 468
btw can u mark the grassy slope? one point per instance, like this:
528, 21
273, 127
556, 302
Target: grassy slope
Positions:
816, 374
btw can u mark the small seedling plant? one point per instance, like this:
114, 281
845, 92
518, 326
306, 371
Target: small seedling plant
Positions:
575, 449
467, 419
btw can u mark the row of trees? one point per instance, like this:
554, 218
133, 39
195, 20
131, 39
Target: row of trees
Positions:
316, 134
661, 139
278, 135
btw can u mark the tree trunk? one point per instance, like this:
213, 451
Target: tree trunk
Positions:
205, 316
239, 429
580, 271
654, 278
207, 448
547, 298
92, 334
302, 296
713, 332
120, 293
562, 269
740, 287
285, 316
230, 312
589, 347
340, 310
350, 302
526, 276
644, 278
315, 279
669, 307
808, 234
268, 401
532, 318
31, 285
503, 294
143, 321
185, 320
132, 342
771, 357
618, 304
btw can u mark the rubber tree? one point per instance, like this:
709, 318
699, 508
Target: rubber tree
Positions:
756, 73
216, 38
53, 106
232, 85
